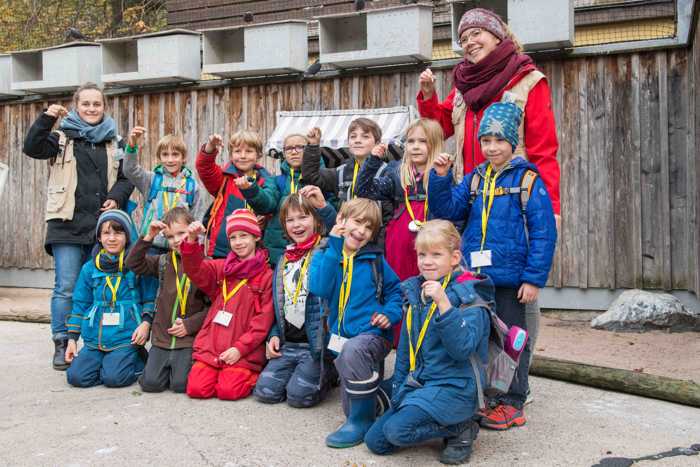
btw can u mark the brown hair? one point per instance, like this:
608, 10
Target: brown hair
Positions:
88, 87
365, 124
434, 135
302, 204
363, 210
247, 137
173, 142
438, 233
178, 214
114, 225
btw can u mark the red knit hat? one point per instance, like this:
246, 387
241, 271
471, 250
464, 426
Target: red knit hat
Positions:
484, 19
243, 219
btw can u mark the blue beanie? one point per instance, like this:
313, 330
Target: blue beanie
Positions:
502, 120
121, 218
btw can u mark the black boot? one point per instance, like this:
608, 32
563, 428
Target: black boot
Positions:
59, 354
458, 448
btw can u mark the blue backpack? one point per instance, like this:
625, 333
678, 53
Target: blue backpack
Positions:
157, 187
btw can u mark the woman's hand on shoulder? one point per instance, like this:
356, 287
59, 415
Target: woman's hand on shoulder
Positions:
56, 111
427, 83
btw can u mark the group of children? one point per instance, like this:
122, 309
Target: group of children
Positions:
291, 284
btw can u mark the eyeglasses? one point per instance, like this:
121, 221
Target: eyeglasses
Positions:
472, 34
297, 148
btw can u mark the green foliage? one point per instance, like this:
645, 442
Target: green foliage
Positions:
29, 24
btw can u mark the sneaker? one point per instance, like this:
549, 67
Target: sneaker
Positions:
503, 417
458, 449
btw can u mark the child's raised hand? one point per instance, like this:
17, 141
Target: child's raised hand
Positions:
528, 293
427, 83
381, 321
314, 195
442, 164
194, 230
135, 136
140, 335
56, 111
178, 328
338, 229
242, 183
314, 136
214, 143
71, 350
272, 349
230, 356
380, 150
154, 229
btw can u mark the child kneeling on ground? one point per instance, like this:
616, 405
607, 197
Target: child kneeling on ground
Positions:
434, 391
363, 308
229, 350
299, 368
112, 311
180, 306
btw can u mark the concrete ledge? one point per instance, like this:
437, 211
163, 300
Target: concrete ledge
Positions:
31, 278
31, 305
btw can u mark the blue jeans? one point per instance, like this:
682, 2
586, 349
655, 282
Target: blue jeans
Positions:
406, 426
68, 260
114, 369
295, 376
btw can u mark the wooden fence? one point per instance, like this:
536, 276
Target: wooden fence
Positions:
628, 133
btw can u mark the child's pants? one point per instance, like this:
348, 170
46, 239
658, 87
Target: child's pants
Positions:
512, 312
296, 376
228, 383
166, 369
360, 366
407, 426
116, 368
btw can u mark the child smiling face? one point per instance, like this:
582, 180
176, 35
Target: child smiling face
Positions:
436, 261
112, 238
299, 225
175, 233
172, 160
244, 157
358, 233
242, 244
417, 147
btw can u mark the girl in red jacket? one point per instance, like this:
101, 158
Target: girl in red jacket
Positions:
229, 350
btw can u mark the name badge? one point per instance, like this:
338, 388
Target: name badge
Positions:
110, 319
336, 343
223, 318
479, 259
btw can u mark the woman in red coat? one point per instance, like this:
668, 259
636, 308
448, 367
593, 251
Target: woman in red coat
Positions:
494, 69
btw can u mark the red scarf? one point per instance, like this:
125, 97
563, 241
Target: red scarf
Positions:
480, 82
246, 269
296, 251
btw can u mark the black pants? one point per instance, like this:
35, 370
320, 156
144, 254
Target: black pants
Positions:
512, 312
166, 369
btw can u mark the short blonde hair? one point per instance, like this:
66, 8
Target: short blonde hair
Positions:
434, 134
363, 210
247, 137
294, 135
438, 233
173, 142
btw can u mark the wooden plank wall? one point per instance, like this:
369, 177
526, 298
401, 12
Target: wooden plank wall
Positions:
628, 136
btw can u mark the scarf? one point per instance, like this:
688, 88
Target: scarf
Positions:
480, 82
246, 269
96, 134
108, 263
296, 251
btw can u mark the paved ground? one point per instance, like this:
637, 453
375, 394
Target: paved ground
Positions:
44, 422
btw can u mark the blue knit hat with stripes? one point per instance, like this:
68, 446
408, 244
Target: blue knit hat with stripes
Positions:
121, 218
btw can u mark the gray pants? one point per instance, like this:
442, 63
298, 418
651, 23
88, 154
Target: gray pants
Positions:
296, 376
166, 369
360, 366
532, 318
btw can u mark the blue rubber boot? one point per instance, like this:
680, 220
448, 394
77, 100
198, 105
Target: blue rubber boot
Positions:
360, 419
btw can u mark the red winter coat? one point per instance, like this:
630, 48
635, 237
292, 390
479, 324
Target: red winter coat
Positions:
252, 309
540, 130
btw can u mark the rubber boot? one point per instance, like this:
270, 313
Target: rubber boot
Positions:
360, 419
458, 449
59, 354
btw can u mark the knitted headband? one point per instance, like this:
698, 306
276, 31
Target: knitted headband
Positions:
243, 220
501, 119
484, 19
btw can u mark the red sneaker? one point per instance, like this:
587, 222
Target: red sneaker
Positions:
503, 417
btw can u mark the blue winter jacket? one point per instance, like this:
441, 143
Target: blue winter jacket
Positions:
92, 298
449, 390
326, 276
520, 253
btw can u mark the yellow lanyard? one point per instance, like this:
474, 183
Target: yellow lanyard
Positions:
112, 287
354, 179
302, 274
166, 197
179, 281
488, 203
292, 186
345, 287
412, 354
410, 209
227, 295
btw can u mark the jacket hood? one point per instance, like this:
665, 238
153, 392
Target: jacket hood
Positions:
462, 292
516, 163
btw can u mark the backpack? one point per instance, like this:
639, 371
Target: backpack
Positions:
157, 185
524, 189
344, 185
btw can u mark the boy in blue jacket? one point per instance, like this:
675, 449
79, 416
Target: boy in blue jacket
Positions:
510, 234
112, 311
364, 299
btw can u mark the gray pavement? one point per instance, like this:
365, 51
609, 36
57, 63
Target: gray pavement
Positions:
45, 422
